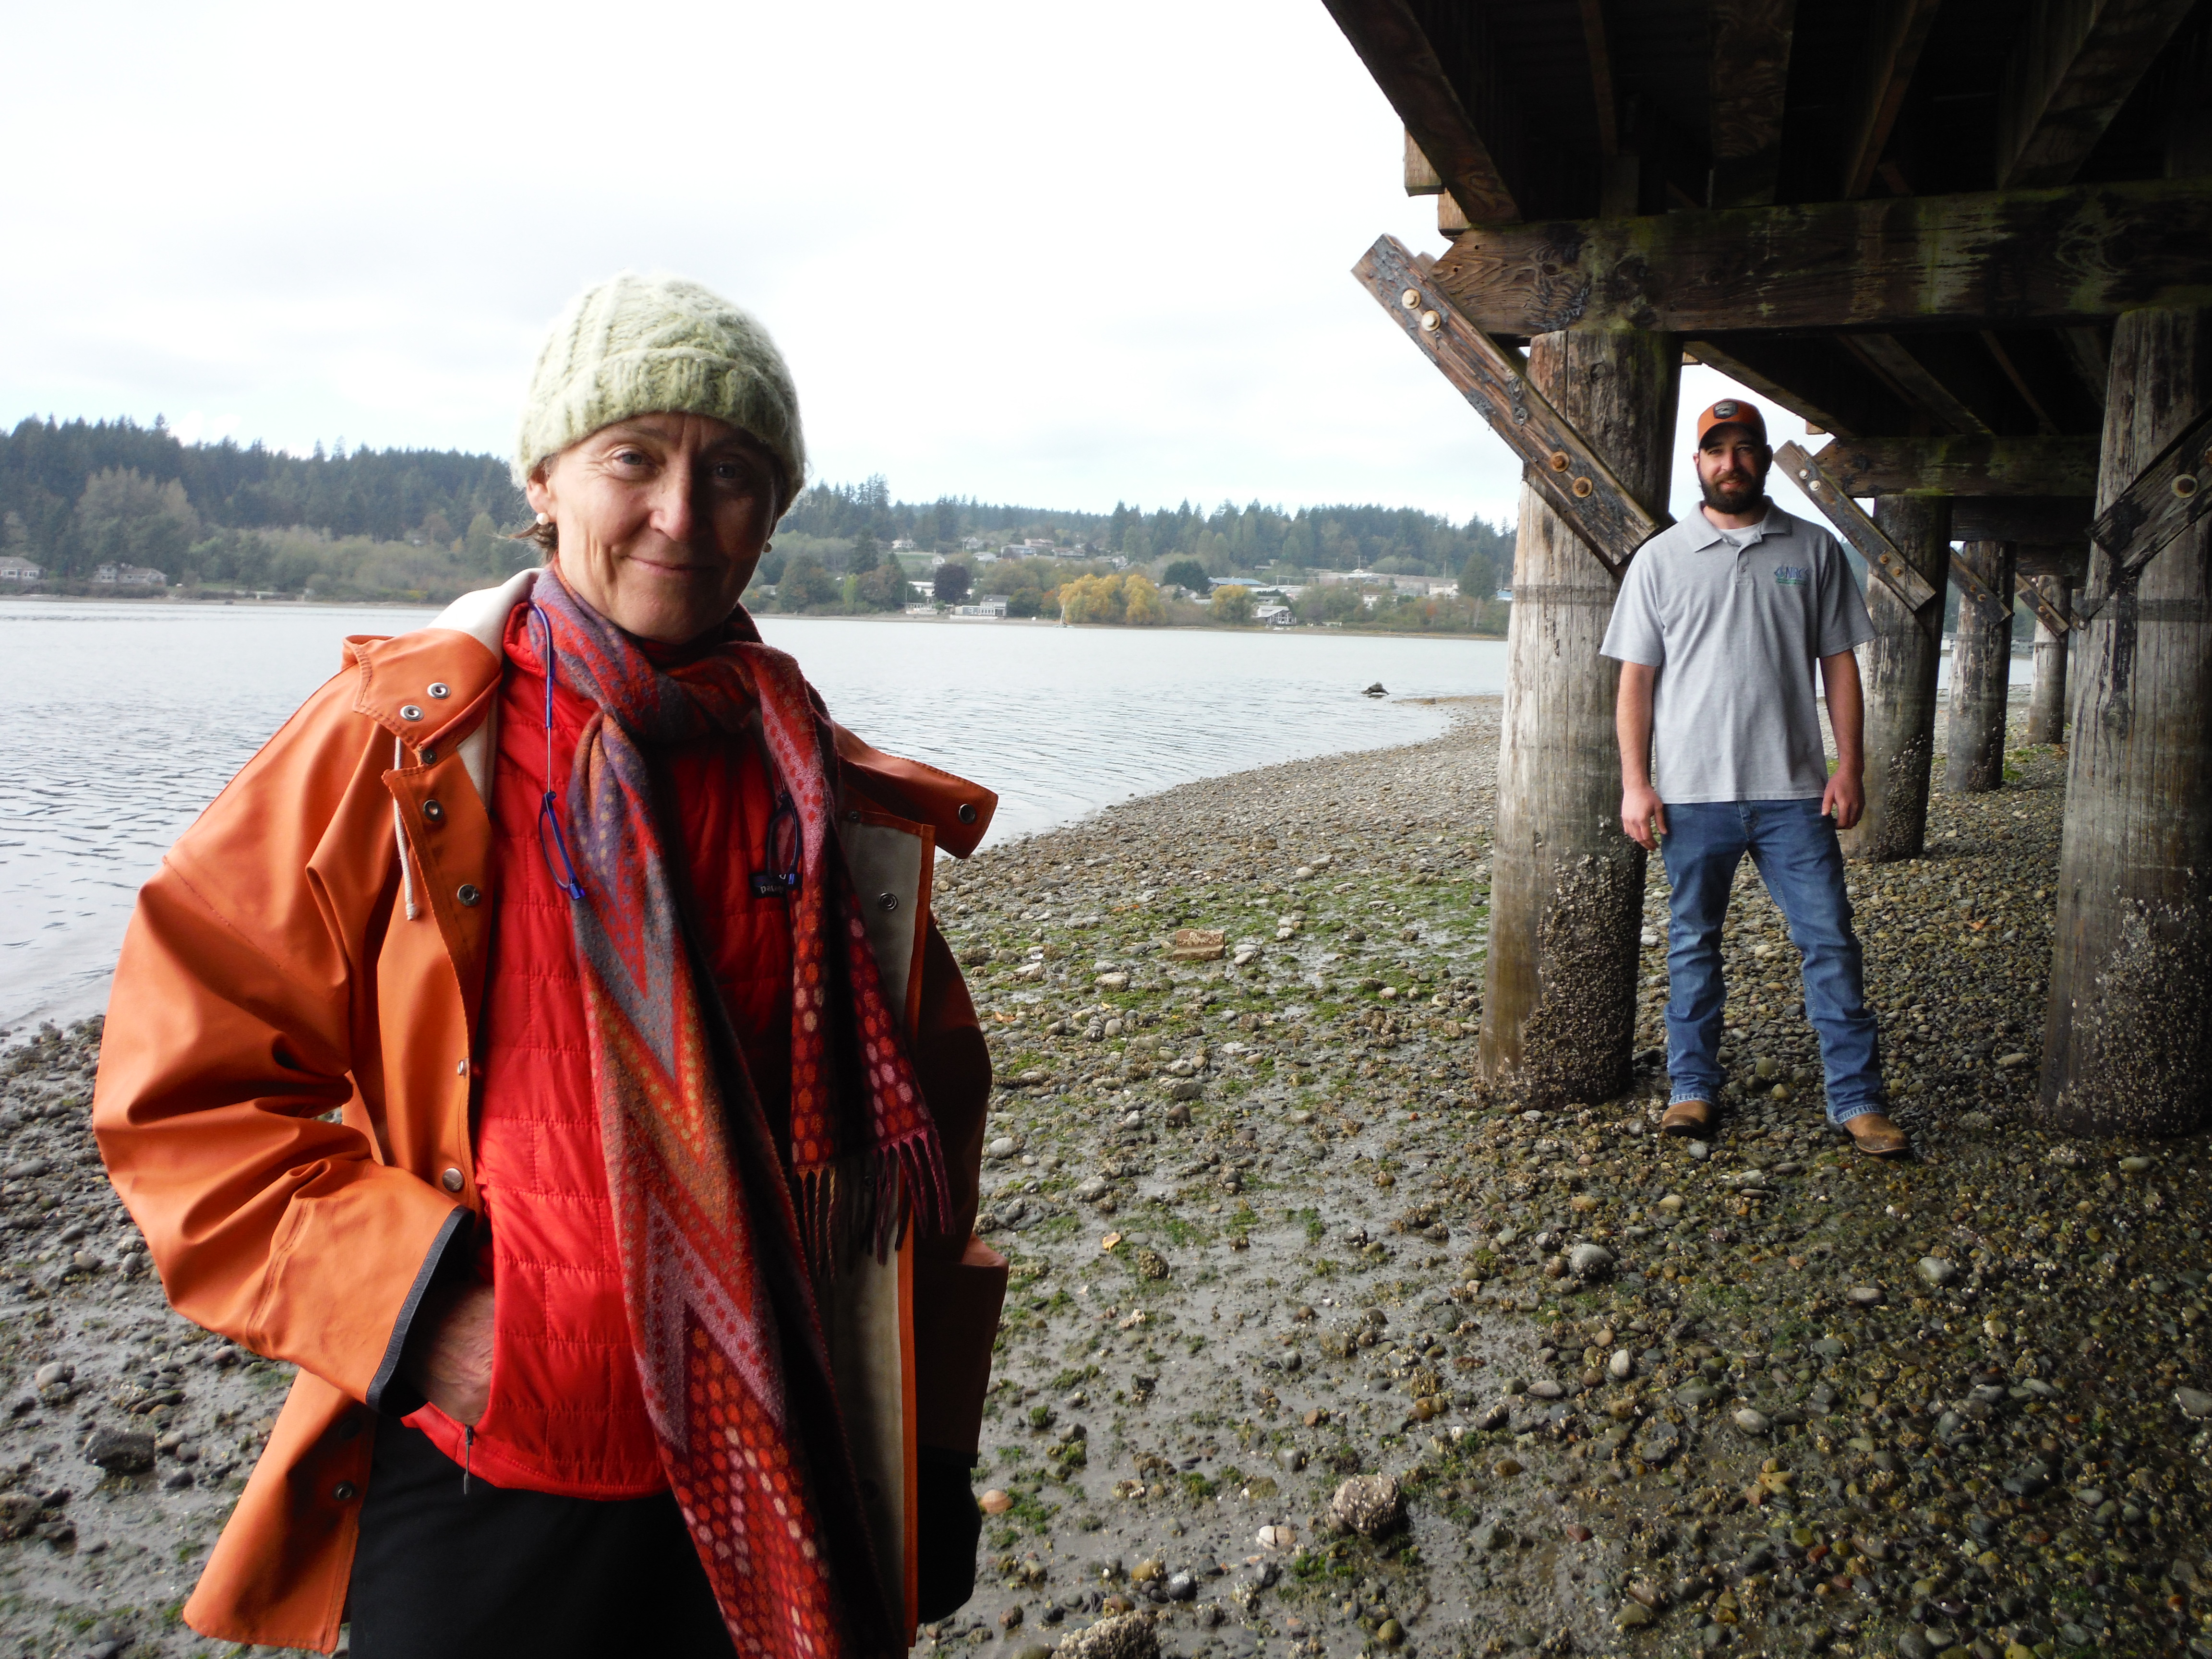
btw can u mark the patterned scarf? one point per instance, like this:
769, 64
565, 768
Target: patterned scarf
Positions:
721, 1246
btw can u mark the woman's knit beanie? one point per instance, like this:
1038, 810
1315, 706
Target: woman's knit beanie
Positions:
642, 345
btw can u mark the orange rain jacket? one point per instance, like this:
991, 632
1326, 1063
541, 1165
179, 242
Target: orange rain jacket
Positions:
285, 1089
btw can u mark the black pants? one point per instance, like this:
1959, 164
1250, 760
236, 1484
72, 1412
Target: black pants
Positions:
499, 1572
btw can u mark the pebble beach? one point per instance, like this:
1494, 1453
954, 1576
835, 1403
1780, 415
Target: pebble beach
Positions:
1316, 1346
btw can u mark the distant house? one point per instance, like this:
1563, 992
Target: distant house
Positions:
903, 544
12, 569
1426, 586
983, 610
1503, 596
1275, 616
971, 543
129, 575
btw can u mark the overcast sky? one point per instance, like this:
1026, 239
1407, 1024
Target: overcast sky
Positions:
1029, 252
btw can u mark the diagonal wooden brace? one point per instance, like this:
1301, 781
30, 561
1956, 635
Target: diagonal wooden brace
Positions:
2045, 612
1569, 474
1969, 582
1891, 567
2172, 493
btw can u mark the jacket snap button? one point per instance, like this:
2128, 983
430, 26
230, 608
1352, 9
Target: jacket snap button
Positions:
411, 711
433, 811
967, 811
469, 893
440, 689
452, 1180
887, 901
343, 1491
428, 755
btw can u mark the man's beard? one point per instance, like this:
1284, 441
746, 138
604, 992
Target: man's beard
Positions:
1740, 497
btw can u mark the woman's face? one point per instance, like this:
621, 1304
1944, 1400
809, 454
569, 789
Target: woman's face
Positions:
662, 518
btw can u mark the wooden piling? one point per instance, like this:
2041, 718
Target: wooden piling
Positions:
2046, 699
1567, 885
1897, 667
2128, 1032
1981, 674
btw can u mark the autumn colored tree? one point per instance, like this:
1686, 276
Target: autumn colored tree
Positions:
1141, 604
1233, 605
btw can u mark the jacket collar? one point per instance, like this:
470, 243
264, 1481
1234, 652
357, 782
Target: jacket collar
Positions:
423, 685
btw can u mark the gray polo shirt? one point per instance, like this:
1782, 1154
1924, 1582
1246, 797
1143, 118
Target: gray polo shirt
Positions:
1734, 634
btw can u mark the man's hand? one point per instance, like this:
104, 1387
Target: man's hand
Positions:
1642, 813
448, 1354
1844, 797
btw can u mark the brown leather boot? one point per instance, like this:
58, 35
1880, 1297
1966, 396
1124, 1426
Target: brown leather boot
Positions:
1873, 1134
1687, 1117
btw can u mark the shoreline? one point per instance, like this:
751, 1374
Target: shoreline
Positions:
1269, 1233
1304, 629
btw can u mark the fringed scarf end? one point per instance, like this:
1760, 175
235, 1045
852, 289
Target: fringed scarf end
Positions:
901, 1184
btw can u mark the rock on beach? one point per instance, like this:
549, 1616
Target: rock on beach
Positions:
1357, 1232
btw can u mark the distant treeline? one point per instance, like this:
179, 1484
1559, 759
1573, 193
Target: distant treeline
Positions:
1400, 540
82, 494
427, 523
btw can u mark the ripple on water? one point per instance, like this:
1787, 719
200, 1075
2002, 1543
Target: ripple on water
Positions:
125, 720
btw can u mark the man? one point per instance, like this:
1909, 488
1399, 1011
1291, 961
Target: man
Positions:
1718, 623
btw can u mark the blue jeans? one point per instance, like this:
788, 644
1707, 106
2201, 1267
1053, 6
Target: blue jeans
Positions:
1793, 844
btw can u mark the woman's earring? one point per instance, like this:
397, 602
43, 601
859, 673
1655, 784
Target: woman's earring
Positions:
544, 518
767, 547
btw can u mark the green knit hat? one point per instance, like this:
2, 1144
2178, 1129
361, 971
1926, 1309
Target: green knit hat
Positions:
642, 345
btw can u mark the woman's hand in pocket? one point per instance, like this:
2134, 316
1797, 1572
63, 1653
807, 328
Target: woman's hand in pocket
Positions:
448, 1353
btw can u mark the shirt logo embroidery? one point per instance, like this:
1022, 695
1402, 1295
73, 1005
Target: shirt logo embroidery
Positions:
1790, 575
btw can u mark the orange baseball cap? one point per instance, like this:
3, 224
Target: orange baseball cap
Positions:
1732, 411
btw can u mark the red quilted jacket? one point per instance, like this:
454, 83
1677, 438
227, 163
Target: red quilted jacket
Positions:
566, 1415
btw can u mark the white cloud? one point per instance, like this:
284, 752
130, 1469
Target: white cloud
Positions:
1027, 253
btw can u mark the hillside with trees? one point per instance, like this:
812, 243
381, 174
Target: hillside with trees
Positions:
426, 524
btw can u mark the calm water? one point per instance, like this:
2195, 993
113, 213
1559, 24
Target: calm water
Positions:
123, 720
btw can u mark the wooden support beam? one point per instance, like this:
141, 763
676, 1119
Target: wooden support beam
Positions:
1898, 667
2074, 66
2030, 590
1814, 378
2022, 518
1747, 82
1574, 479
2167, 496
2128, 1026
1566, 890
1599, 49
1981, 668
2055, 257
1962, 466
1967, 578
1888, 564
2047, 698
2089, 352
2068, 561
1895, 31
1421, 178
1458, 114
2008, 365
1905, 373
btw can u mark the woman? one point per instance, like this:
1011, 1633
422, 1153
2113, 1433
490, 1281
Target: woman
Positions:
544, 1045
